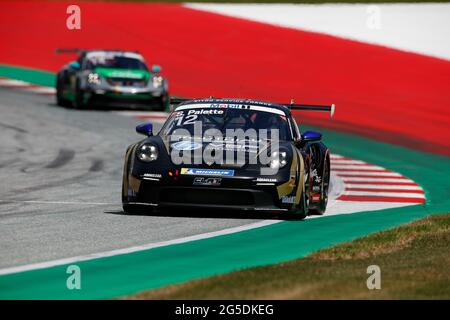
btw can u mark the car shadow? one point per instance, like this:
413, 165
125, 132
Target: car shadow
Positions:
209, 213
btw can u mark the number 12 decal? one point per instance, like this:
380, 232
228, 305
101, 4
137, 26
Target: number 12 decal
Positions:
188, 120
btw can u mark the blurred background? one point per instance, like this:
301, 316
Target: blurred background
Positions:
385, 66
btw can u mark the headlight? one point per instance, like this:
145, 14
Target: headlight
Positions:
94, 78
279, 160
157, 81
147, 152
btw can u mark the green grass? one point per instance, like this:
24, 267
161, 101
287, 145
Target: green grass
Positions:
414, 261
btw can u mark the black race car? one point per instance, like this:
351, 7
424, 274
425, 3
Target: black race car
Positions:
110, 78
230, 154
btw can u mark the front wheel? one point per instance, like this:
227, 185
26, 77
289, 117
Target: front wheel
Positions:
323, 190
301, 211
78, 102
162, 102
60, 100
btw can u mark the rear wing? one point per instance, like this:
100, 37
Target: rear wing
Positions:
292, 106
78, 50
68, 50
312, 107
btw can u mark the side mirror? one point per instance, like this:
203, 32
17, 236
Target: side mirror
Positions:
310, 136
156, 68
146, 129
75, 65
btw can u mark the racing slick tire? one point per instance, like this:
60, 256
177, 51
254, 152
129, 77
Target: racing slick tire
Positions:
301, 211
60, 101
162, 103
78, 102
320, 210
131, 209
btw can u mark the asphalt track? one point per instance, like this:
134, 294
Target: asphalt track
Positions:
62, 197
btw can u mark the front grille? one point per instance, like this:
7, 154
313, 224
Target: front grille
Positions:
125, 82
207, 196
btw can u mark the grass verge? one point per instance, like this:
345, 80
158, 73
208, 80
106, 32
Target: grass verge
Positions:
414, 261
34, 76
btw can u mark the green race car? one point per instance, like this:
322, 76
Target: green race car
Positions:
110, 78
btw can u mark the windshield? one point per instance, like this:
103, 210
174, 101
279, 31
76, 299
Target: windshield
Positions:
116, 62
226, 119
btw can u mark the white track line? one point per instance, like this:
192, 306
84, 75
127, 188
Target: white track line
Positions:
59, 262
350, 179
26, 86
378, 186
341, 207
42, 90
345, 161
13, 83
352, 167
366, 173
385, 194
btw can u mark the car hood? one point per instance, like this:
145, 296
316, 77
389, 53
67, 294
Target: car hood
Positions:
196, 158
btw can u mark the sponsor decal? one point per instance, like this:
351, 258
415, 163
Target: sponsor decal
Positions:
266, 180
186, 145
315, 197
288, 199
207, 172
234, 146
152, 176
204, 111
201, 181
316, 177
229, 106
260, 107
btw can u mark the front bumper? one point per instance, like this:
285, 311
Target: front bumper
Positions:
243, 197
121, 97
